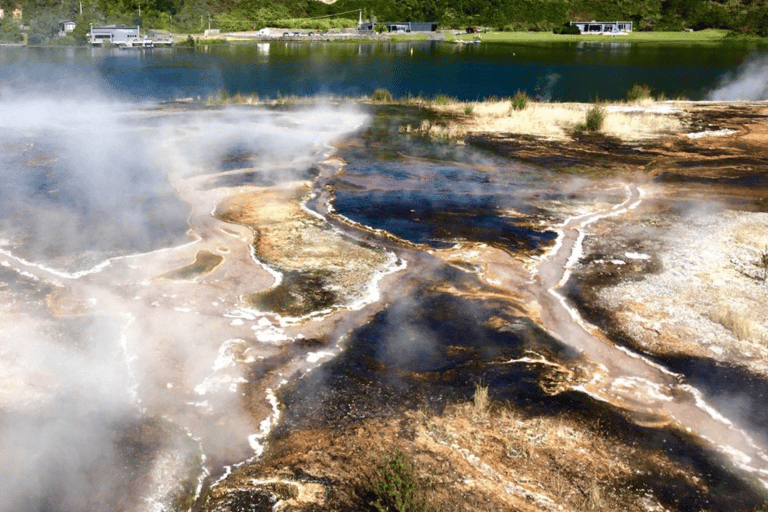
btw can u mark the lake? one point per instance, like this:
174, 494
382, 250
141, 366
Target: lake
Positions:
549, 72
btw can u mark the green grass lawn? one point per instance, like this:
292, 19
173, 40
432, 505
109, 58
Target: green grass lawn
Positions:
408, 37
702, 36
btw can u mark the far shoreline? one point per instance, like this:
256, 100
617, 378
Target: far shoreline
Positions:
706, 37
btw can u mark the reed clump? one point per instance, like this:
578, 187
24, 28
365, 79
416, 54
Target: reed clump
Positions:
223, 97
639, 92
519, 101
381, 96
481, 403
552, 121
594, 120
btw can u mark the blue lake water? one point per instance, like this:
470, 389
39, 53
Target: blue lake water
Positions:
557, 72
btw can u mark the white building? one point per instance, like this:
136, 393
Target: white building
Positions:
66, 27
602, 27
115, 34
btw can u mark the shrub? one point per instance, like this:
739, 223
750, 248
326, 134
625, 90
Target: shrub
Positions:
567, 30
189, 42
381, 96
638, 92
595, 119
394, 487
469, 108
10, 31
43, 28
519, 100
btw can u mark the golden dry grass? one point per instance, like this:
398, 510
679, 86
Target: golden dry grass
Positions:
546, 459
556, 121
480, 401
740, 323
754, 235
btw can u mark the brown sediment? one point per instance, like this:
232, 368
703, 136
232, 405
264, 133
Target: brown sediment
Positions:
322, 267
717, 143
205, 263
515, 460
478, 458
61, 302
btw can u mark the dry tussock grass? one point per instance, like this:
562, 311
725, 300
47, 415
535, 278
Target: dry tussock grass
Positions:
636, 126
740, 323
556, 121
754, 235
480, 401
549, 454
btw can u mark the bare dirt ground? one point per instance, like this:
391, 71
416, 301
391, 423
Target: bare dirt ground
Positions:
680, 279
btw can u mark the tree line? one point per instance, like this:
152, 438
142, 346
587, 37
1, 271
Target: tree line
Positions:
183, 16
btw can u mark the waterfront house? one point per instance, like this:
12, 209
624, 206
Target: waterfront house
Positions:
115, 34
66, 27
602, 27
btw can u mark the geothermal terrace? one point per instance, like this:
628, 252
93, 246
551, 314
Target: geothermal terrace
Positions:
266, 302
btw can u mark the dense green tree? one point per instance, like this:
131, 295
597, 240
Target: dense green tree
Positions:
82, 28
10, 31
747, 16
43, 27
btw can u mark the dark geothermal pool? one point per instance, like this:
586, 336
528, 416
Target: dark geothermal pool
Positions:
439, 203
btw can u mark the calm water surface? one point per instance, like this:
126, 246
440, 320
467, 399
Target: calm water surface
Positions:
558, 72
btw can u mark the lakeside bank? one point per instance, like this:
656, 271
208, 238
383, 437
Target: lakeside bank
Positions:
703, 37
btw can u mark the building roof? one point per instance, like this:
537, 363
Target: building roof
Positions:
113, 26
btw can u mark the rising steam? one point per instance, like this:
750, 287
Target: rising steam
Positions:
749, 83
92, 406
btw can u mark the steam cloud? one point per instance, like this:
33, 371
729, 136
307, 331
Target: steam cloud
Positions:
546, 86
92, 174
749, 83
